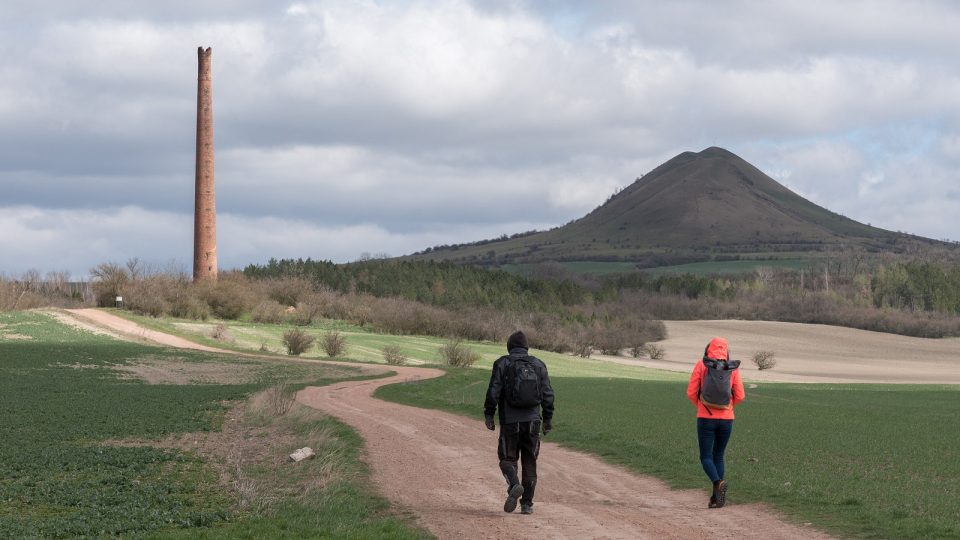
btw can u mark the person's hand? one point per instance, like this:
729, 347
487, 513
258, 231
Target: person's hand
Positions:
488, 421
547, 426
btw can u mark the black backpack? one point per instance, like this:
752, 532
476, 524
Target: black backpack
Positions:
715, 390
523, 382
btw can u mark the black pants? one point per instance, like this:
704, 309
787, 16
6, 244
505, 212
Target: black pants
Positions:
520, 440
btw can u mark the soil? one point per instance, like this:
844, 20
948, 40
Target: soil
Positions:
812, 353
443, 468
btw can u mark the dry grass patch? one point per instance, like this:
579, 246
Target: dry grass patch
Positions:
251, 453
164, 370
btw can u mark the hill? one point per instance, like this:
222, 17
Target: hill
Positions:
708, 205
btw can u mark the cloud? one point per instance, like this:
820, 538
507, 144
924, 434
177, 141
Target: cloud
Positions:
77, 240
393, 123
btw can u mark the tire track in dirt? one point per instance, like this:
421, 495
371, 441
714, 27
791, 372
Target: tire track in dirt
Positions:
443, 468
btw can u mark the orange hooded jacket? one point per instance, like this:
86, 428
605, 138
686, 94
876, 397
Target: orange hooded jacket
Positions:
718, 350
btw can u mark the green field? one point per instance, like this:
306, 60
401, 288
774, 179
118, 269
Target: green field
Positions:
81, 451
577, 267
699, 269
866, 461
729, 267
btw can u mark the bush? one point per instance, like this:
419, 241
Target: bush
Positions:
288, 291
229, 297
764, 359
109, 280
280, 398
393, 356
220, 333
269, 311
456, 354
297, 341
334, 344
655, 352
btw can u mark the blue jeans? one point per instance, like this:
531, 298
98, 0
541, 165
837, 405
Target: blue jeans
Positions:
713, 435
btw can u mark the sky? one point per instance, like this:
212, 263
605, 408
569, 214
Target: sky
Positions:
351, 128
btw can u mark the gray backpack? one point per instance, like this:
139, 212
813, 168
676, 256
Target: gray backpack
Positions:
715, 390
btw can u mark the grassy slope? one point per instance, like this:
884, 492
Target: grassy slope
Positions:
868, 461
60, 398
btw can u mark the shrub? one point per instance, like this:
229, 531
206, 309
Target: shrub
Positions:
456, 354
269, 311
610, 340
109, 282
220, 333
655, 352
306, 313
229, 297
187, 305
393, 356
288, 291
764, 359
297, 341
334, 344
280, 398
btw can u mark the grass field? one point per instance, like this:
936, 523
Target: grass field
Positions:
699, 269
866, 461
365, 345
729, 267
82, 449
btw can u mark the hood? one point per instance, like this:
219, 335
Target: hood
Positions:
517, 340
717, 349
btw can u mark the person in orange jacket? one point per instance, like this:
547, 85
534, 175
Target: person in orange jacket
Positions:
715, 388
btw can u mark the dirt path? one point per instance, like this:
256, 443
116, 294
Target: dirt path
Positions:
443, 468
101, 322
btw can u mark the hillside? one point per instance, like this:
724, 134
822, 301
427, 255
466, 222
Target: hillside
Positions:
696, 206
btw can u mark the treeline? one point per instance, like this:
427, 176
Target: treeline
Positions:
436, 283
919, 297
33, 290
915, 298
296, 300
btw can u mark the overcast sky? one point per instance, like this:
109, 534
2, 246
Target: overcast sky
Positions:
352, 126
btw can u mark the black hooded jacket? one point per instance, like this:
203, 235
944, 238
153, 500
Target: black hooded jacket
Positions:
495, 392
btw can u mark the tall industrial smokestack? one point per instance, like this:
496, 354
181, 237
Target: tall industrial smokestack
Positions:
205, 204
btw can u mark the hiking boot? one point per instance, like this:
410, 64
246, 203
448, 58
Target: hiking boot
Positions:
526, 508
713, 502
721, 493
513, 495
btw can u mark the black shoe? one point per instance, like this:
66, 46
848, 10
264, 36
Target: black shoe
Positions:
713, 502
526, 508
513, 495
721, 493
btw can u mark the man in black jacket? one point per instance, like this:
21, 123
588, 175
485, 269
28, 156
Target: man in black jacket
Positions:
520, 388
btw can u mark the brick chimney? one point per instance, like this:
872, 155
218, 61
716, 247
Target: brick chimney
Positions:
205, 206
